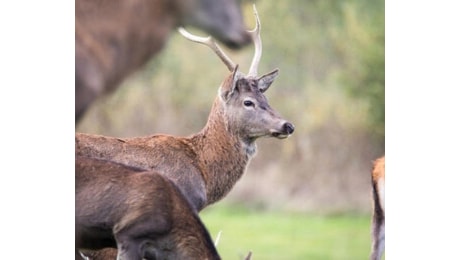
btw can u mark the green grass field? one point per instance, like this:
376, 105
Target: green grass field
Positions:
272, 235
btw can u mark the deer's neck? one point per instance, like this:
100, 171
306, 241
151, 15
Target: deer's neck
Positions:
223, 154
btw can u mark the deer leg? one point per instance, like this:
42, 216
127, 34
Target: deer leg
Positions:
378, 235
88, 82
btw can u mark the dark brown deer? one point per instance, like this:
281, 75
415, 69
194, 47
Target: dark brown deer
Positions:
115, 38
141, 213
206, 165
378, 216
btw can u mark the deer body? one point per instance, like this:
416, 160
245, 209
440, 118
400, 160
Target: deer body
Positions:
378, 217
115, 38
143, 214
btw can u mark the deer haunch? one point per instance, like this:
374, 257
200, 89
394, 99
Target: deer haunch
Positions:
115, 38
143, 214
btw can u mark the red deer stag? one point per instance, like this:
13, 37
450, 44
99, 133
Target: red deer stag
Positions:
378, 218
115, 38
206, 165
141, 213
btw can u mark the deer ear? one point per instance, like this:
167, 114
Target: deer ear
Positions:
234, 78
266, 80
229, 85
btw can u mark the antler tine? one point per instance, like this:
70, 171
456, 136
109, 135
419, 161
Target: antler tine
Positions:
255, 35
217, 238
249, 256
208, 41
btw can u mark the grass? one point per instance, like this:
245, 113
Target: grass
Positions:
276, 235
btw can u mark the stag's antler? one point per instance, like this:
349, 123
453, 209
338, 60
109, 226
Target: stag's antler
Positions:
209, 41
255, 35
217, 238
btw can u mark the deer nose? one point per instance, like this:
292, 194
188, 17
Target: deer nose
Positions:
288, 128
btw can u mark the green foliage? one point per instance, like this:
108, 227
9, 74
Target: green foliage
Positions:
364, 56
272, 235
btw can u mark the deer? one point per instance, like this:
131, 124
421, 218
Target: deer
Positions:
115, 38
205, 165
141, 213
378, 214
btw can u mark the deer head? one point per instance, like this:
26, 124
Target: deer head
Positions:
221, 18
245, 106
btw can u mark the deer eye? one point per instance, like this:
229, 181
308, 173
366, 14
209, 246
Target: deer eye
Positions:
248, 103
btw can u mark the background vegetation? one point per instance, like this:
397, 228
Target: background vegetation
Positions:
331, 86
284, 235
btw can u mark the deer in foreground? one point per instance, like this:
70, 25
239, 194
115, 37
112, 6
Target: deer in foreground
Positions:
115, 38
141, 213
378, 217
206, 165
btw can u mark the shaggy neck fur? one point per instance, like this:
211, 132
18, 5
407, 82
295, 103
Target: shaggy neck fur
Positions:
222, 152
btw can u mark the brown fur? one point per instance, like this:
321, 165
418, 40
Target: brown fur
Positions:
141, 212
114, 38
378, 216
